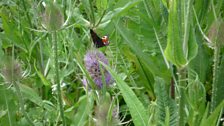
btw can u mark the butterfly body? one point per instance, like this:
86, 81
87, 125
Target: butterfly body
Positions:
99, 42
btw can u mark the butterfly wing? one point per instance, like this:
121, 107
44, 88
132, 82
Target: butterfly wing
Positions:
96, 39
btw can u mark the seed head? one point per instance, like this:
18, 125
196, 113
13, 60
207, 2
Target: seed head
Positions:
53, 19
11, 70
215, 34
106, 113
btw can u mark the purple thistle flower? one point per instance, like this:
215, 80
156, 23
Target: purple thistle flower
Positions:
92, 65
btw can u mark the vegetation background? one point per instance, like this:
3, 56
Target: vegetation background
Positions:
166, 59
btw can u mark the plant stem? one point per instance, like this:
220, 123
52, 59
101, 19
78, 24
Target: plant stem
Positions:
182, 85
21, 102
7, 106
215, 78
55, 48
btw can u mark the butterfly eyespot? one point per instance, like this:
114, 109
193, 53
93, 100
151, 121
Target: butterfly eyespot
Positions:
105, 39
99, 42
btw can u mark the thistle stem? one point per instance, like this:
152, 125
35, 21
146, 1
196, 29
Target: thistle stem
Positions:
215, 78
7, 106
55, 48
182, 85
21, 102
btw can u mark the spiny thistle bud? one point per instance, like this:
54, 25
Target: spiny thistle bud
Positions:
11, 70
216, 34
94, 68
53, 19
106, 113
104, 117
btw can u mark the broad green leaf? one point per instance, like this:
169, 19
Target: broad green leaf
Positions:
181, 43
136, 108
84, 110
174, 51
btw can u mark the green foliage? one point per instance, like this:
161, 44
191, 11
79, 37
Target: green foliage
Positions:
136, 108
216, 42
167, 109
154, 68
174, 50
212, 119
220, 82
158, 49
181, 43
196, 99
7, 103
84, 110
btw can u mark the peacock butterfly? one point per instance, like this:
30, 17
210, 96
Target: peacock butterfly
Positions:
99, 42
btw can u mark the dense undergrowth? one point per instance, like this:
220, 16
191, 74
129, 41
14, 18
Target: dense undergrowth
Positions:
164, 64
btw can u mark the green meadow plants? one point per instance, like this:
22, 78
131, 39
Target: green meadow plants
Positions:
12, 74
111, 63
53, 20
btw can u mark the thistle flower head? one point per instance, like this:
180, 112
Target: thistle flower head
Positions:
96, 71
53, 19
215, 34
11, 70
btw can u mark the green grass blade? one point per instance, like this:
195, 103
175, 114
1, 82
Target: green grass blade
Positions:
85, 107
42, 77
212, 119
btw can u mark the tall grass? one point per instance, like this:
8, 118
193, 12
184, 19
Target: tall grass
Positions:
155, 45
